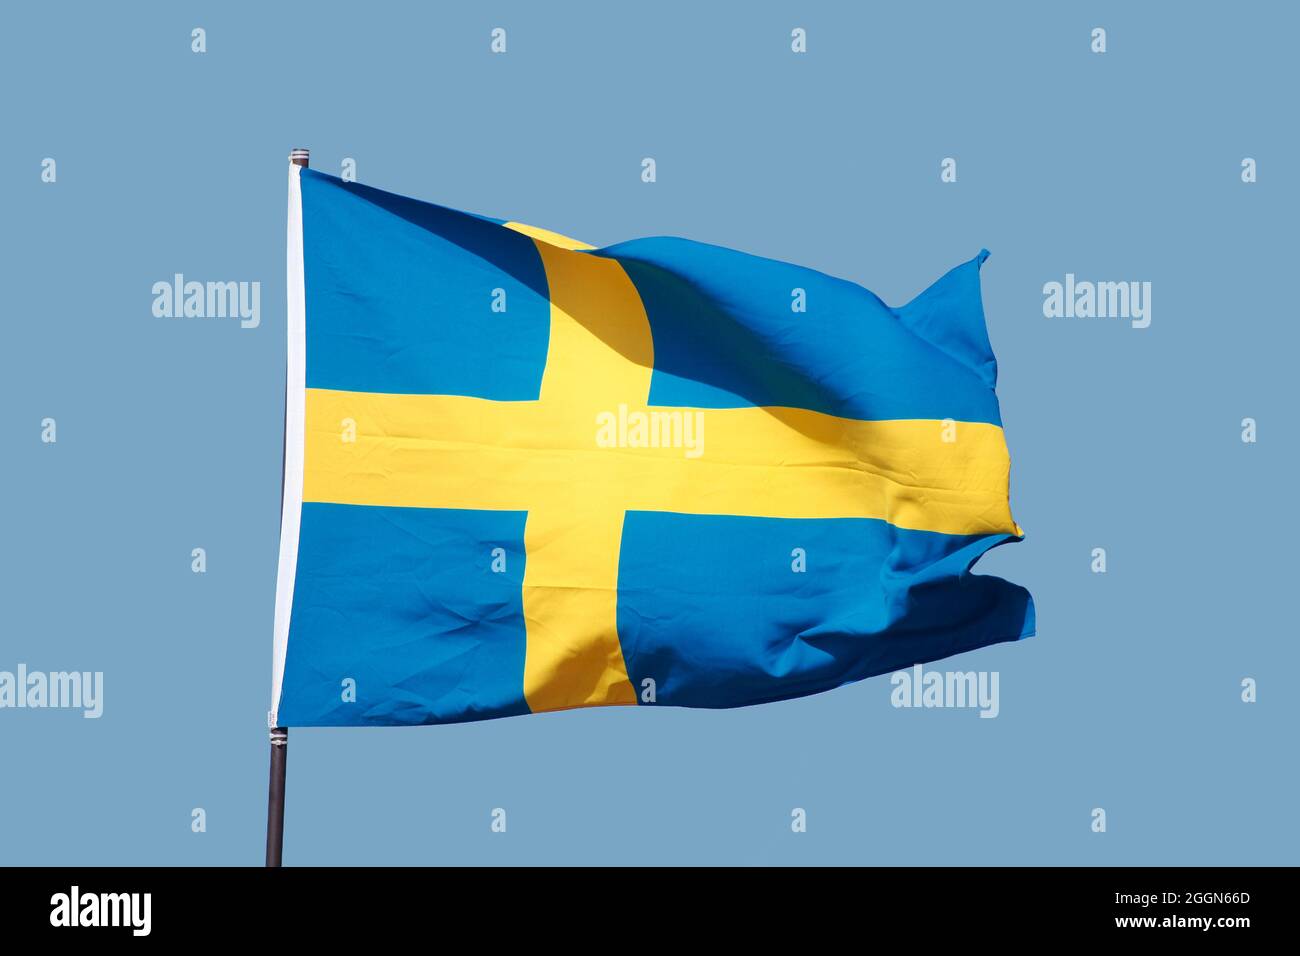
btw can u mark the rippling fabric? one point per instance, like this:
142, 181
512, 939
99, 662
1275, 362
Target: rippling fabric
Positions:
538, 475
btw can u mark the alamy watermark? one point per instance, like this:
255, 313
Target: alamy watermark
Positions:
1073, 299
76, 690
651, 429
75, 908
179, 299
921, 688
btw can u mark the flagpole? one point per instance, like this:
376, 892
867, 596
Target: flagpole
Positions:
275, 801
279, 735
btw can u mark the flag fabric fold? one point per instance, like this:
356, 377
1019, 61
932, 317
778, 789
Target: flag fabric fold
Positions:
523, 474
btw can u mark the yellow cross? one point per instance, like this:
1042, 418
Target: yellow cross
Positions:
449, 451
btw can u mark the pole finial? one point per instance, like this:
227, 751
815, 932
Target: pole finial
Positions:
300, 157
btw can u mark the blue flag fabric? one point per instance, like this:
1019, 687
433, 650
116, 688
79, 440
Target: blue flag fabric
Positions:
523, 474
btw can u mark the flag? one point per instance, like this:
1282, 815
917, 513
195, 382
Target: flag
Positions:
523, 474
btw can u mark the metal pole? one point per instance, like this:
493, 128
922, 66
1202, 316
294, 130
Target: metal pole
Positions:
279, 735
275, 798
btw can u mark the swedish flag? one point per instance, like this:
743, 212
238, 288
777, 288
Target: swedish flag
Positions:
524, 474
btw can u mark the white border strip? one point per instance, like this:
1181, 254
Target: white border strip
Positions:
295, 411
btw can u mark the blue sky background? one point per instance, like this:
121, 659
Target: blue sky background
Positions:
1122, 166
